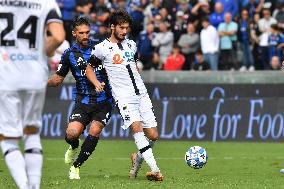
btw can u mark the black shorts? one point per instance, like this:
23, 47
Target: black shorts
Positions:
86, 113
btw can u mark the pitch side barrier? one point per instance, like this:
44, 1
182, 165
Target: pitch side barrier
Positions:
190, 110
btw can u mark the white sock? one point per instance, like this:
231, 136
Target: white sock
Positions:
139, 155
15, 162
142, 143
33, 158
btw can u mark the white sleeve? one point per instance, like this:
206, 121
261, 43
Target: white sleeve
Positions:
52, 12
97, 52
96, 56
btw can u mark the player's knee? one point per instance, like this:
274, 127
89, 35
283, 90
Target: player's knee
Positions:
30, 130
154, 136
136, 127
96, 129
1, 137
72, 134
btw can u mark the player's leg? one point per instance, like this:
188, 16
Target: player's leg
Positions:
145, 149
33, 155
99, 116
73, 132
32, 112
136, 158
78, 120
11, 130
89, 144
149, 125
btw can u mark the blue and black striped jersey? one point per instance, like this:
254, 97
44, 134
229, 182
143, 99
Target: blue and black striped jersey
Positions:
75, 59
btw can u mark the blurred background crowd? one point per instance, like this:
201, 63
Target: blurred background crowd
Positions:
244, 35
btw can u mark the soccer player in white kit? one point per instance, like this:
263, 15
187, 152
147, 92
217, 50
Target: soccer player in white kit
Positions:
118, 55
24, 44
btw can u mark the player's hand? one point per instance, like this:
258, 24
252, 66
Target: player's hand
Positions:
99, 86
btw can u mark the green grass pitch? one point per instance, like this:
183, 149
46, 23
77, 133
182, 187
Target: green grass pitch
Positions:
230, 165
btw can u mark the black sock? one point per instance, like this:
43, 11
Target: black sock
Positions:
87, 149
74, 143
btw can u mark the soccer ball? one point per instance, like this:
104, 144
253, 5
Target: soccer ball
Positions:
196, 157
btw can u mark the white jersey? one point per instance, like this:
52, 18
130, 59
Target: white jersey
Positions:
23, 63
119, 62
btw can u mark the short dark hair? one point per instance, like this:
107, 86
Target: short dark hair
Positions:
205, 19
198, 52
119, 17
80, 20
275, 27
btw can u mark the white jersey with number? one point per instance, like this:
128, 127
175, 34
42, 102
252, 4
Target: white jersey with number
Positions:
23, 63
119, 62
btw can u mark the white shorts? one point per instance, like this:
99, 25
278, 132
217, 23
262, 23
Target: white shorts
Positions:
137, 108
19, 109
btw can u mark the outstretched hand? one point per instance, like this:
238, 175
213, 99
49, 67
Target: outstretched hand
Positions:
99, 86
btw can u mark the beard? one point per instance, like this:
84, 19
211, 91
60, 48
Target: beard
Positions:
83, 43
117, 36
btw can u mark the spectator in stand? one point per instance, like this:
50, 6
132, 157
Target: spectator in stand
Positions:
83, 7
278, 14
102, 11
189, 44
165, 16
231, 6
264, 27
227, 32
151, 11
163, 42
170, 6
253, 6
275, 42
199, 11
144, 47
101, 34
244, 37
174, 61
200, 64
67, 8
185, 7
180, 26
136, 11
209, 39
255, 34
217, 16
275, 63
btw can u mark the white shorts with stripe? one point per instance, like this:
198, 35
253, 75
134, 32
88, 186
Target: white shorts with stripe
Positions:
137, 108
19, 109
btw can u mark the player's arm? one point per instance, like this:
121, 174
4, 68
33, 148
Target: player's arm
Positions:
55, 37
55, 80
91, 75
63, 69
55, 31
136, 59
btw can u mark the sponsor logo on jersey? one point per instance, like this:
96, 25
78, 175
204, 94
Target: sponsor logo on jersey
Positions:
16, 57
74, 116
99, 68
128, 56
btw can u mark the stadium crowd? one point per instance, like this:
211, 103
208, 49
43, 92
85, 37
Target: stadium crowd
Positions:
191, 34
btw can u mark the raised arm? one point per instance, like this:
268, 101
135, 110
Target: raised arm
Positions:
55, 37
